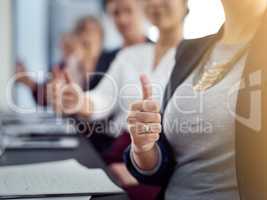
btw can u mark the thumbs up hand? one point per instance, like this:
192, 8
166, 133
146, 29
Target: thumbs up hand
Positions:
69, 98
144, 120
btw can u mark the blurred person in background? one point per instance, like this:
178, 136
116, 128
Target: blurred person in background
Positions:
70, 47
129, 20
156, 60
81, 54
214, 139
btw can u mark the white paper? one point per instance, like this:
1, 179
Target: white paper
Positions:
62, 177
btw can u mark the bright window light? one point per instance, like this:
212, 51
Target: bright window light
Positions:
153, 33
205, 18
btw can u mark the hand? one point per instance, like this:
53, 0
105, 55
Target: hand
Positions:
53, 89
20, 71
23, 77
144, 120
69, 98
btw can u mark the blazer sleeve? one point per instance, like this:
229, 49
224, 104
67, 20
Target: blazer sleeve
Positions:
161, 176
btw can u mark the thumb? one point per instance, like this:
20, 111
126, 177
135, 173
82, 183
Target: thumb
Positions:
67, 77
56, 72
146, 87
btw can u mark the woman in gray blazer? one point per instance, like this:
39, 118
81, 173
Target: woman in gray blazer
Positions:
214, 120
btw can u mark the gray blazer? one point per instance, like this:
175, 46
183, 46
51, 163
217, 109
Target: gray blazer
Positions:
251, 120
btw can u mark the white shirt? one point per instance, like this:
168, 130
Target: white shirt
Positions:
121, 85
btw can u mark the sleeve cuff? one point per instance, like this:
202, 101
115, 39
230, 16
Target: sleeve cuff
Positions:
150, 172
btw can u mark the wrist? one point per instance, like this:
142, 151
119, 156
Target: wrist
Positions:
148, 162
143, 149
86, 109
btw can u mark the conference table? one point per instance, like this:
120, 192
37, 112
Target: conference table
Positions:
84, 154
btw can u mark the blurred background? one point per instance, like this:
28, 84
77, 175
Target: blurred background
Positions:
33, 28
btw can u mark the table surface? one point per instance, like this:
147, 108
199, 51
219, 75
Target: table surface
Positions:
85, 154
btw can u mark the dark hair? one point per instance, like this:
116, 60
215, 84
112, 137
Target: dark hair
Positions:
105, 3
80, 26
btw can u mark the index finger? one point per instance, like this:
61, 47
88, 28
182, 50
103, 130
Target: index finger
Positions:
146, 106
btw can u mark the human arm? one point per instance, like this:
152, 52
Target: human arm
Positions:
97, 103
149, 157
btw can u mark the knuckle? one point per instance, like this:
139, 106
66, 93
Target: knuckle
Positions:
140, 127
158, 117
136, 106
148, 117
137, 127
131, 129
142, 117
156, 128
132, 106
151, 106
128, 120
131, 118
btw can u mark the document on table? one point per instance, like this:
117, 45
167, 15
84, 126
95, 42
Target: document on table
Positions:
54, 179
